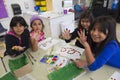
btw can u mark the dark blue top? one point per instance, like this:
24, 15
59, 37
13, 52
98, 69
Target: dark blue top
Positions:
110, 55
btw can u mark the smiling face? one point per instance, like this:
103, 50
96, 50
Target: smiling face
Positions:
97, 35
18, 29
85, 23
37, 25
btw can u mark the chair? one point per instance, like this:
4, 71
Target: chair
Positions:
2, 31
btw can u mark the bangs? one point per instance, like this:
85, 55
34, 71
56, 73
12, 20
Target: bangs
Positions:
18, 20
101, 27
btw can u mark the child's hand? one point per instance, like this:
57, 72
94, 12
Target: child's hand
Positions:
36, 35
18, 48
66, 34
82, 38
81, 63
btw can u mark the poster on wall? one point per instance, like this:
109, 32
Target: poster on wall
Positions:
3, 12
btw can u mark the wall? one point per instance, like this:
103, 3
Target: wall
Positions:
26, 5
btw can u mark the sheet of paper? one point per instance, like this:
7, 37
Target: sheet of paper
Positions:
27, 77
47, 43
115, 76
71, 52
61, 62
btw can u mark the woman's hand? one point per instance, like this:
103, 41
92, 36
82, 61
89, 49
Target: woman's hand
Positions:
66, 34
81, 63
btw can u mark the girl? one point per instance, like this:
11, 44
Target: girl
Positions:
103, 47
36, 33
17, 39
86, 19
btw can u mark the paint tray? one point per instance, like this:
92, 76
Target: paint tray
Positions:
68, 72
9, 76
18, 63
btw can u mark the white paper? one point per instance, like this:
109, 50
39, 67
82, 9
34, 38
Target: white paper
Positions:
115, 76
71, 52
61, 62
47, 43
27, 77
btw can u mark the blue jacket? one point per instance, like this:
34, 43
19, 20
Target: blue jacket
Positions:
110, 55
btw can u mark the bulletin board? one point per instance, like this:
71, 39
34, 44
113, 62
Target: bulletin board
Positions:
3, 12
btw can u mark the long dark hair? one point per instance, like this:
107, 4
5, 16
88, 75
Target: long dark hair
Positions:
106, 23
87, 14
18, 19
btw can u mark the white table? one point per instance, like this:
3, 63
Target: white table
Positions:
40, 70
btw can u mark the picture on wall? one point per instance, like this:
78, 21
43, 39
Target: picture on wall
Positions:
3, 12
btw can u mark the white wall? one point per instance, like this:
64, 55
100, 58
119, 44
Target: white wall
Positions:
26, 5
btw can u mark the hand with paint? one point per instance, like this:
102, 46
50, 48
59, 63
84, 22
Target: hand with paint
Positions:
35, 35
80, 63
66, 35
18, 48
82, 38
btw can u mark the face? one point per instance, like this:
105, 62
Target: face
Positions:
37, 25
96, 35
18, 29
85, 23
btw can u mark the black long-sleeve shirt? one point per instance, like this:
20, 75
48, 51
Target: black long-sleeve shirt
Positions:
12, 40
74, 35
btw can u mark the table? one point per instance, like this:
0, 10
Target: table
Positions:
40, 70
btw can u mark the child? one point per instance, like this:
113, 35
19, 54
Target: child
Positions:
17, 38
86, 19
103, 47
36, 33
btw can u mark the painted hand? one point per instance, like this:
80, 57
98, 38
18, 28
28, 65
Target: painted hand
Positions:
81, 63
82, 38
66, 34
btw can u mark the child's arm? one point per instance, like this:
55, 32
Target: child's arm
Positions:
66, 34
89, 55
34, 44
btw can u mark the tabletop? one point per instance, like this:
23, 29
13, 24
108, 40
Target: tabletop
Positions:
40, 70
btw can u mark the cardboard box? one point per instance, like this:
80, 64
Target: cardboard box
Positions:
20, 66
23, 70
